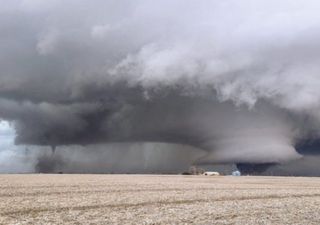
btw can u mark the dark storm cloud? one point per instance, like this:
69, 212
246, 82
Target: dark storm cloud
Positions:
238, 79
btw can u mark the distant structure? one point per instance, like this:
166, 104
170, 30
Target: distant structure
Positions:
193, 170
211, 173
236, 173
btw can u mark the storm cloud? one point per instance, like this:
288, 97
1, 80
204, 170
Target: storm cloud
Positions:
238, 80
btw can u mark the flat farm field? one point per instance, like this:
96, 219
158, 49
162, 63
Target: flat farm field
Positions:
158, 199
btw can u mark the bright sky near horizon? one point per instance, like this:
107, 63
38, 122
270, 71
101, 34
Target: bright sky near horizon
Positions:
7, 134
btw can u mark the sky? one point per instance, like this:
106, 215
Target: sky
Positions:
234, 81
12, 157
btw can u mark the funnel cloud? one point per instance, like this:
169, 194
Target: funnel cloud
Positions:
235, 81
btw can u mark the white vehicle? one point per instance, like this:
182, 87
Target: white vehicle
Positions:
211, 173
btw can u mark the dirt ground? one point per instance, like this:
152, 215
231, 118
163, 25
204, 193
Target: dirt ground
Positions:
158, 199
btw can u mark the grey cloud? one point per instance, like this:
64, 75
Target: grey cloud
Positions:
236, 79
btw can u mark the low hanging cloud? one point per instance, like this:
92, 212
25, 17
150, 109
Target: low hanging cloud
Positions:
236, 79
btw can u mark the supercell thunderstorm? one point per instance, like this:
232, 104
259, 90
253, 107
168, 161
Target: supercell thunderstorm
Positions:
238, 80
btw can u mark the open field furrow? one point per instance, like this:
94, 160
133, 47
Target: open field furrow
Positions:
147, 199
146, 204
48, 193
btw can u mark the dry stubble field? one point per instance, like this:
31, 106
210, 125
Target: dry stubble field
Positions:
158, 199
